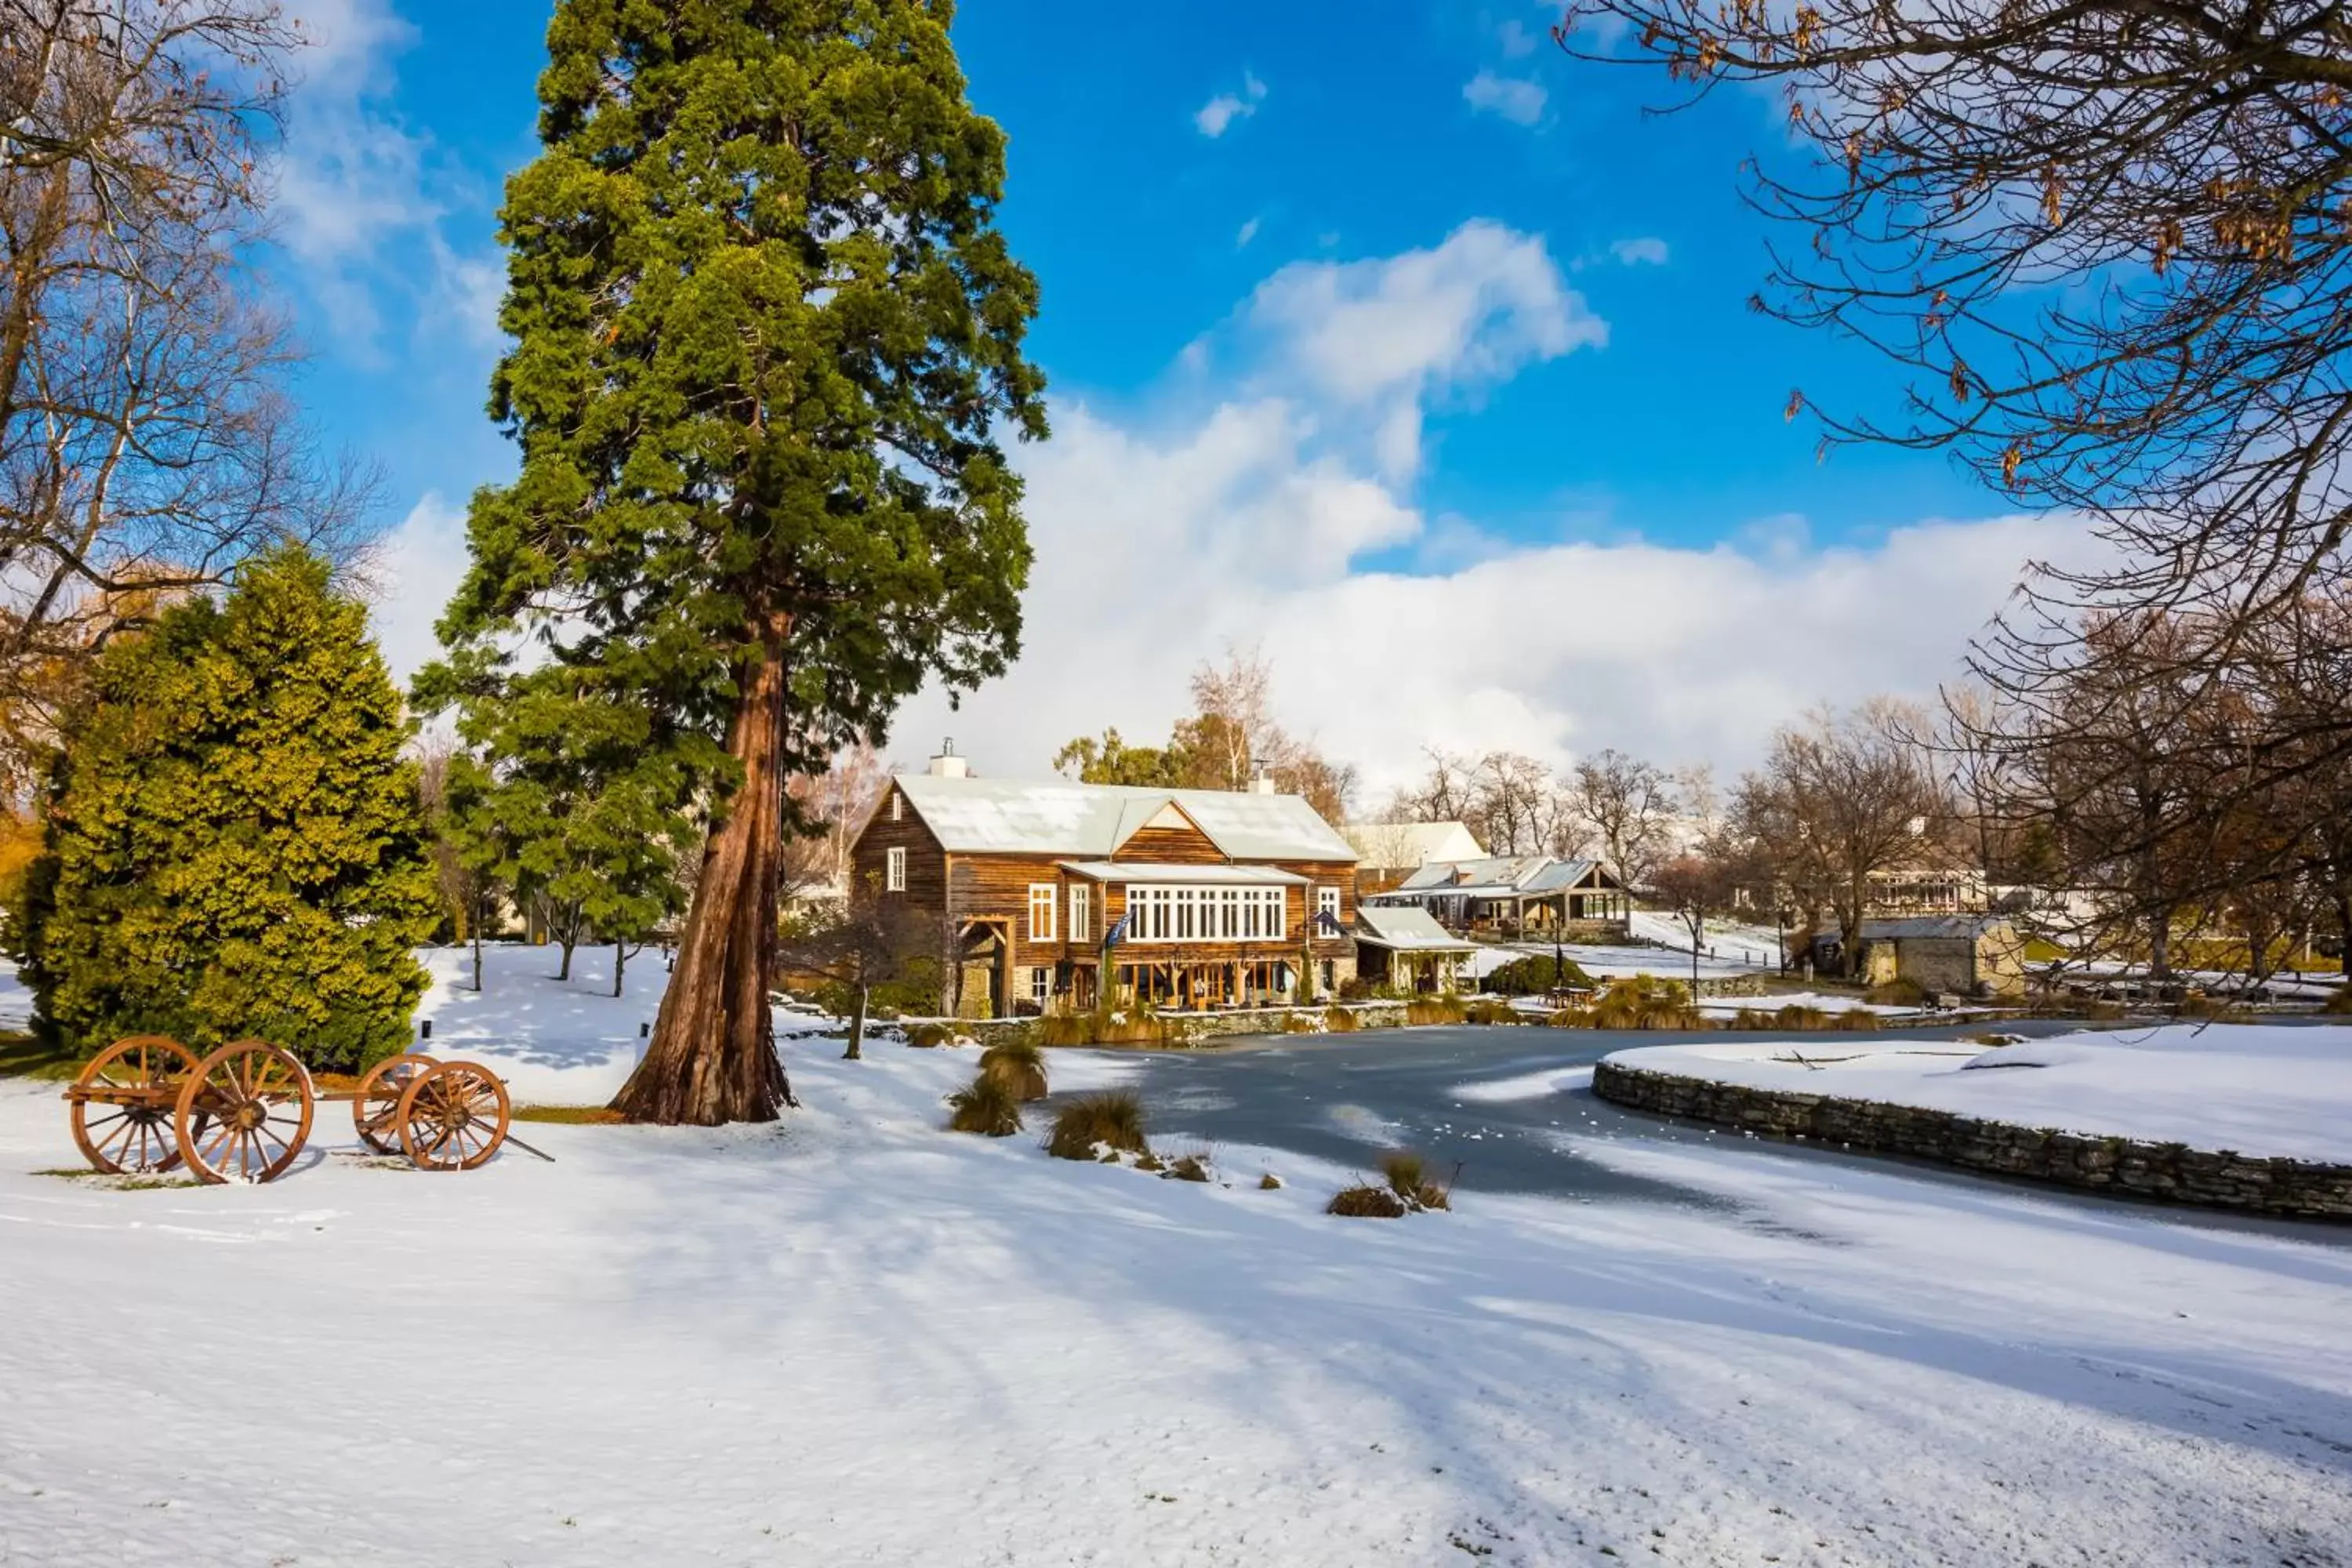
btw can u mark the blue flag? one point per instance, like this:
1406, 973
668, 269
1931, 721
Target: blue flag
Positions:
1118, 933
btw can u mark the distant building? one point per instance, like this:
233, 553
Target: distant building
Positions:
1389, 852
1408, 951
1926, 890
1967, 956
1515, 896
1052, 894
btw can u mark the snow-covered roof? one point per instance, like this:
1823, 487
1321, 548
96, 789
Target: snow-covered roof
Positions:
1057, 816
1393, 846
1218, 876
1966, 928
1407, 931
1499, 877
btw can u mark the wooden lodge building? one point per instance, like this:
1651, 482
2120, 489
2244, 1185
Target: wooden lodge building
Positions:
1185, 899
1517, 896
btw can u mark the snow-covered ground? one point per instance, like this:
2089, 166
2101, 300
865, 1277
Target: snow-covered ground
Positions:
854, 1338
2255, 1089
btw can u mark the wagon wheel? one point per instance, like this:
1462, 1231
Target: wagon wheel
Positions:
122, 1105
376, 1110
244, 1114
453, 1118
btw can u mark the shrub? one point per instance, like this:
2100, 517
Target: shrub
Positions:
1408, 1177
1532, 975
1424, 1010
1900, 991
1112, 1119
930, 1036
1338, 1021
989, 1107
1365, 1201
1020, 1064
1191, 1168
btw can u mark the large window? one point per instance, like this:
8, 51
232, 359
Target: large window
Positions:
1041, 911
894, 871
1204, 914
1326, 903
1081, 912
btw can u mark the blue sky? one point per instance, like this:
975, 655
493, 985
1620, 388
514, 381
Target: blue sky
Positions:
1366, 314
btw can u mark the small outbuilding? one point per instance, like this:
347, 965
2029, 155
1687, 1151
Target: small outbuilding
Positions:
1408, 951
1968, 955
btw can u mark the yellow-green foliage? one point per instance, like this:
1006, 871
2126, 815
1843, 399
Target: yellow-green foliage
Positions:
1424, 1010
1338, 1021
1020, 1064
1365, 1201
234, 844
989, 1107
1269, 1182
1113, 1119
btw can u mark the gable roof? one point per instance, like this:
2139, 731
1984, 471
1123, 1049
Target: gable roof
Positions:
1506, 877
1082, 821
1407, 930
1394, 845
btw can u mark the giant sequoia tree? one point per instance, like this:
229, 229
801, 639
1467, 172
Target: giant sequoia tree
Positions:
766, 340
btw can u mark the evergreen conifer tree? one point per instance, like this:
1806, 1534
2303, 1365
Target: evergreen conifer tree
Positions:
234, 843
766, 338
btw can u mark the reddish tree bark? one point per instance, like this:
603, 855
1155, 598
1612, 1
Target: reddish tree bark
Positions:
713, 1056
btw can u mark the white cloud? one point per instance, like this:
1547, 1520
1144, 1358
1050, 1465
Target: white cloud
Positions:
414, 569
1516, 99
1248, 232
1648, 250
1518, 41
1216, 117
362, 199
1392, 335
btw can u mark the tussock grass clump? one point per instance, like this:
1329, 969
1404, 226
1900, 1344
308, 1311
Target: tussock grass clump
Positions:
2212, 1008
1365, 1201
1112, 1119
1751, 1018
1066, 1029
1796, 1016
1425, 1010
930, 1036
1490, 1012
1570, 1018
1300, 1024
2339, 1004
989, 1107
1338, 1021
1269, 1182
1191, 1168
1855, 1021
1645, 1002
1021, 1066
1148, 1160
1407, 1175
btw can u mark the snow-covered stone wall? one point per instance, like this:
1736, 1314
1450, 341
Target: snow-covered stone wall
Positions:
2173, 1173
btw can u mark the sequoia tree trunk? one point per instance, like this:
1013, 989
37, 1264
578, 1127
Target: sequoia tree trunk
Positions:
713, 1056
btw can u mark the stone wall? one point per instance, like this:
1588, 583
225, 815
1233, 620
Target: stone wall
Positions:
2171, 1173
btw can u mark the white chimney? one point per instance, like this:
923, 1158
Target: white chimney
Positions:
1262, 785
947, 764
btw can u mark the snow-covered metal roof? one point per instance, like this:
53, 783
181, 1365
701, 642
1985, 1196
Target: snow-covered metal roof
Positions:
1393, 846
1407, 931
1057, 816
1499, 877
1214, 875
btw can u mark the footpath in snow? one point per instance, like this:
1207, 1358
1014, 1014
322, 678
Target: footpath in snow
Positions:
2270, 1091
855, 1338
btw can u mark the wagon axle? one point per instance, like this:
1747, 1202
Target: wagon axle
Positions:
145, 1105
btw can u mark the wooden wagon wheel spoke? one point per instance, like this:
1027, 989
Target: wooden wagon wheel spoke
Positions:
453, 1118
127, 1089
245, 1114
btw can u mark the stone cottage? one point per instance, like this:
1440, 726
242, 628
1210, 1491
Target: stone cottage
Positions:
1967, 956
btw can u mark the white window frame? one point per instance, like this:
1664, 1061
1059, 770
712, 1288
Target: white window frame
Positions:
1082, 913
1043, 897
1041, 986
894, 870
1189, 913
1327, 901
897, 806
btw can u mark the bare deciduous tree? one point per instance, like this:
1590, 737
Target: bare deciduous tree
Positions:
1631, 807
145, 446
